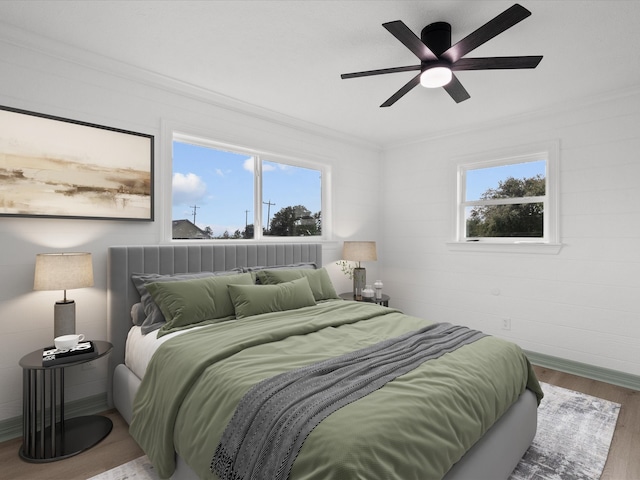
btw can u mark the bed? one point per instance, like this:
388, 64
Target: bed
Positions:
331, 330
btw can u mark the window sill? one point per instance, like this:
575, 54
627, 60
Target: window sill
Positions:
536, 248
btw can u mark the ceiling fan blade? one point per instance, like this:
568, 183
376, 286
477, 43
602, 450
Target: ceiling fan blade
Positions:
456, 90
403, 33
403, 91
380, 72
499, 24
491, 63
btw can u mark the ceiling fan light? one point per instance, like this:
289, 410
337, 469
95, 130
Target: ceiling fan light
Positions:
436, 77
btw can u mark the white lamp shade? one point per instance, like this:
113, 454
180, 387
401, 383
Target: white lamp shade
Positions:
63, 271
359, 251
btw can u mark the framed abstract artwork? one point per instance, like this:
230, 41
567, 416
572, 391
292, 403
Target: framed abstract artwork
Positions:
61, 168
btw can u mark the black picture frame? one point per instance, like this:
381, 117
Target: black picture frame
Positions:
61, 168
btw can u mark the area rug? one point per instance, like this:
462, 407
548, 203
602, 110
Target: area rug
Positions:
572, 441
573, 437
138, 469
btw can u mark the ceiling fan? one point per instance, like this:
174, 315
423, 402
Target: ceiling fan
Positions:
439, 59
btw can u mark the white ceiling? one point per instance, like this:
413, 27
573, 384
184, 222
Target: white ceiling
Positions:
287, 56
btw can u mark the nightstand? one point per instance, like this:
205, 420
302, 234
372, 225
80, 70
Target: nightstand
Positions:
47, 435
384, 301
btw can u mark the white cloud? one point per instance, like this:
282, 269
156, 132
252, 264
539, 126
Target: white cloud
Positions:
187, 188
248, 164
266, 167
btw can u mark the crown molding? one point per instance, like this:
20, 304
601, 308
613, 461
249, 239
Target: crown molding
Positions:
29, 40
566, 107
21, 38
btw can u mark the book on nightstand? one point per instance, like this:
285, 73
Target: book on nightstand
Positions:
53, 356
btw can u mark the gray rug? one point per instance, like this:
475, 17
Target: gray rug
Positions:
572, 442
573, 437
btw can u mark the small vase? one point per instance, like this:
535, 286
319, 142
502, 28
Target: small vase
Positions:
378, 285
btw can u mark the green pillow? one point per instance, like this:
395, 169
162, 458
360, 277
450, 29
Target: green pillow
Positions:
319, 280
256, 299
188, 302
154, 319
254, 270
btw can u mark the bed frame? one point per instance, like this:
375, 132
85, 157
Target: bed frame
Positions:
493, 457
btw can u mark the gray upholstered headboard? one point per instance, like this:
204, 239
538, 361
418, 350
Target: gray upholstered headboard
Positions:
166, 259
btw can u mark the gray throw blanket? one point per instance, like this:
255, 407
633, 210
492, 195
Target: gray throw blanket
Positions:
275, 416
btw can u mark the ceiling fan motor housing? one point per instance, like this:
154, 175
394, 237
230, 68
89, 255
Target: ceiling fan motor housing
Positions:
437, 36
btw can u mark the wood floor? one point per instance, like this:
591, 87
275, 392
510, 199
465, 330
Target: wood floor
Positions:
118, 448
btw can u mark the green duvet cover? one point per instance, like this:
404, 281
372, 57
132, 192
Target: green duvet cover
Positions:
415, 427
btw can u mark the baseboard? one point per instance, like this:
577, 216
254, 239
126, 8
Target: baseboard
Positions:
605, 375
12, 427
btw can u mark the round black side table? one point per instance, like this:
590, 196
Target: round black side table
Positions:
47, 435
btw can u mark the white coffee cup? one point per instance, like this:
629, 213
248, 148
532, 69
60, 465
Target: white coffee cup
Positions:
67, 342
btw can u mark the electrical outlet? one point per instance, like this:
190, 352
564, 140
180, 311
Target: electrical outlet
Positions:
506, 324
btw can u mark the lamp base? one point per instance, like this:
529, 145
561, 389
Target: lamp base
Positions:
64, 318
359, 281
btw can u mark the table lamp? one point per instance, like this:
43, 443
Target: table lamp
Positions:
359, 252
63, 271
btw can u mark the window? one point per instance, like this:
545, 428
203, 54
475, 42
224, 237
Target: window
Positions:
509, 198
220, 193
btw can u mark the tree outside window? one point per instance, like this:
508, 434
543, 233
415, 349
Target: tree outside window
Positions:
512, 220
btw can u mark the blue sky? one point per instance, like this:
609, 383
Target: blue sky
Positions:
221, 185
480, 180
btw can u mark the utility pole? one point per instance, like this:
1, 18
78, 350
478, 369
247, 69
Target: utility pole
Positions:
268, 212
246, 219
194, 212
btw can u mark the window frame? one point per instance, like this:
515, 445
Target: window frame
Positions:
258, 156
550, 241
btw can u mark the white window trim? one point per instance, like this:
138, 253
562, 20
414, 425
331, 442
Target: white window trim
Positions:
550, 244
173, 132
